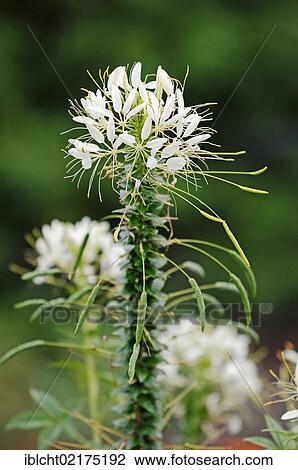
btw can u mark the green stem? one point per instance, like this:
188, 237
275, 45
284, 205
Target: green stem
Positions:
93, 385
140, 413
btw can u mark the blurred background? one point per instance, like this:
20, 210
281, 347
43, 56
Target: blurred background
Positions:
243, 55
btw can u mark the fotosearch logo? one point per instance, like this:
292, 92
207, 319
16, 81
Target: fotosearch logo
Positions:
216, 314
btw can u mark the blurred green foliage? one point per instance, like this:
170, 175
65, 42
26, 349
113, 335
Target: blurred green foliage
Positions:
233, 59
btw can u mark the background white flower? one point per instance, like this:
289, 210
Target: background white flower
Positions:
213, 358
60, 242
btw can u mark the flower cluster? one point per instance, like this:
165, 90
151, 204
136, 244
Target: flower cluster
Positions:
217, 360
129, 121
59, 245
290, 389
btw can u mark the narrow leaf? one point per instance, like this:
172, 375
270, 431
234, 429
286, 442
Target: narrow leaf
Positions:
90, 301
27, 420
30, 302
22, 347
262, 442
79, 257
34, 274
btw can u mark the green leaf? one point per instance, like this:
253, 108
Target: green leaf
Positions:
48, 436
147, 404
34, 274
79, 294
274, 428
30, 302
194, 267
27, 420
90, 301
46, 401
244, 297
72, 274
20, 348
262, 442
40, 342
200, 301
132, 361
49, 303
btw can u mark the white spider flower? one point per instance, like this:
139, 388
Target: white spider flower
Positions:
59, 245
290, 415
129, 122
218, 359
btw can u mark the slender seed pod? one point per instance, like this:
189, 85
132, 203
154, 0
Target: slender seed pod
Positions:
200, 301
244, 297
132, 362
142, 309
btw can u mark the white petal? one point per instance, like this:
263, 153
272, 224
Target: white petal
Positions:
168, 108
156, 142
86, 147
151, 163
170, 149
135, 111
136, 74
151, 85
117, 142
293, 414
127, 138
129, 101
198, 138
180, 99
95, 133
176, 163
83, 119
111, 129
116, 98
192, 126
116, 77
179, 128
155, 104
291, 355
86, 161
164, 80
146, 129
143, 93
137, 184
74, 152
151, 113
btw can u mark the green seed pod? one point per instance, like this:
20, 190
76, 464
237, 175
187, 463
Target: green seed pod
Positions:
199, 300
142, 309
247, 272
244, 297
132, 361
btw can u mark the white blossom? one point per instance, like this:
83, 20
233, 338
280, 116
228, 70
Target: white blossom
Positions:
59, 245
132, 119
214, 357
